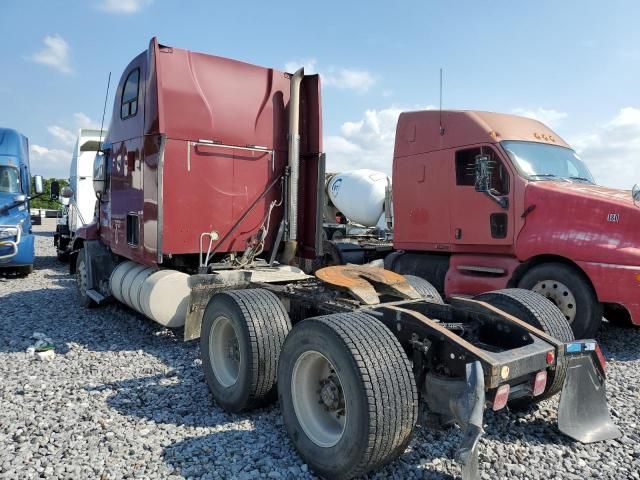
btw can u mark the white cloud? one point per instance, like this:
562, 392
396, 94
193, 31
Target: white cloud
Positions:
359, 81
550, 117
612, 152
50, 163
124, 6
83, 121
366, 143
65, 136
54, 54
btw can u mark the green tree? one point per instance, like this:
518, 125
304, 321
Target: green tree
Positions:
45, 201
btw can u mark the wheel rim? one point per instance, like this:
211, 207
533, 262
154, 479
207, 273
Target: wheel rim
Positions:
318, 399
560, 295
224, 351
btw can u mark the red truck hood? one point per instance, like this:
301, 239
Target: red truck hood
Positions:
581, 222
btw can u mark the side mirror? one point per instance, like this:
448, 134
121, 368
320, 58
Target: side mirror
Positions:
55, 191
39, 186
20, 198
483, 171
66, 192
99, 173
635, 194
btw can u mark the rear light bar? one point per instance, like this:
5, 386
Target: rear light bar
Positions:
502, 395
540, 383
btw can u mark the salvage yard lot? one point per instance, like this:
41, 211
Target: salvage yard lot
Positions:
126, 398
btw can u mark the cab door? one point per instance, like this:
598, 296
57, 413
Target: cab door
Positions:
476, 217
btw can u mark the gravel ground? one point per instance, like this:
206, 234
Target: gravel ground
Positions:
125, 398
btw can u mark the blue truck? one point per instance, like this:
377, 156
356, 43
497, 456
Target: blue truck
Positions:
16, 239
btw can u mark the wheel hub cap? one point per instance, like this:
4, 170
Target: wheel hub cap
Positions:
560, 295
331, 393
224, 351
318, 399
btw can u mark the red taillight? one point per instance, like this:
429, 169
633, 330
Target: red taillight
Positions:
502, 395
551, 356
540, 383
601, 359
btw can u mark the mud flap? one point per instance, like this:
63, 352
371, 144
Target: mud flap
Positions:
468, 410
203, 287
583, 413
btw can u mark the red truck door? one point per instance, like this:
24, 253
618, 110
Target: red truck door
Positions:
477, 219
126, 134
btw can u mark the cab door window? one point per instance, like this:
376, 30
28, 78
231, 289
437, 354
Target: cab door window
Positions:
466, 169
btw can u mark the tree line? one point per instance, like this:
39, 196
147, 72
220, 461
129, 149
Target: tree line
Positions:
44, 201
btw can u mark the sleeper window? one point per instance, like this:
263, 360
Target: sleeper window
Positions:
129, 105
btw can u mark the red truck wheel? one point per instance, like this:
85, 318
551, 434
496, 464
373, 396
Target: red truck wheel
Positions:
240, 342
536, 311
347, 394
424, 288
571, 292
82, 279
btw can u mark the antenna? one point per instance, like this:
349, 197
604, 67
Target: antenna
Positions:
104, 110
441, 127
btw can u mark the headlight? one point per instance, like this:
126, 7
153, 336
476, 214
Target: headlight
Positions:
8, 232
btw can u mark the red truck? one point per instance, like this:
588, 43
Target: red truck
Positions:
210, 183
484, 201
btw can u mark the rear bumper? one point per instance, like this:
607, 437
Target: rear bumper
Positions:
616, 284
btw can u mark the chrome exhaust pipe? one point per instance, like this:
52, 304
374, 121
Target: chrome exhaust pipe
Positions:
291, 244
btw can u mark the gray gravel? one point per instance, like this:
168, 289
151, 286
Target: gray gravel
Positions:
125, 398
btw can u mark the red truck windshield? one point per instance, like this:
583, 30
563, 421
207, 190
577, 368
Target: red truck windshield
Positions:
539, 161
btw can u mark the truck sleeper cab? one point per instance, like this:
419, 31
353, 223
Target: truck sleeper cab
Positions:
16, 239
495, 200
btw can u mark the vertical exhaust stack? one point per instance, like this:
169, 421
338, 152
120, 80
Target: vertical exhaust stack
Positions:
291, 244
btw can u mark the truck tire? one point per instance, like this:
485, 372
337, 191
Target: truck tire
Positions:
571, 292
241, 338
81, 280
24, 271
347, 394
428, 291
540, 313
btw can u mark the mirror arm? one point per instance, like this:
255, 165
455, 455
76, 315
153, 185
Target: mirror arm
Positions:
502, 201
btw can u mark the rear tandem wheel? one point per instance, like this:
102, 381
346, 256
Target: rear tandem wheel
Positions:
542, 314
347, 394
241, 338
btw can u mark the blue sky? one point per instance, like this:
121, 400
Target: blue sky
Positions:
573, 64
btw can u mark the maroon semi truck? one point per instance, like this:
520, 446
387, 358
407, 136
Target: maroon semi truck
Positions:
209, 184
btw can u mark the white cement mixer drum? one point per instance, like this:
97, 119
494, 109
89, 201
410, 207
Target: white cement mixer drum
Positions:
359, 195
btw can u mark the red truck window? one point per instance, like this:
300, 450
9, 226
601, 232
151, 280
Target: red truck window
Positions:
466, 167
129, 104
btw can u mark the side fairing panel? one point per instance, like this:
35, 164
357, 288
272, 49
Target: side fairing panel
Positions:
421, 206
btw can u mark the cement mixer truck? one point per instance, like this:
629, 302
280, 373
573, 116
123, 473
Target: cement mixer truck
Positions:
210, 185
